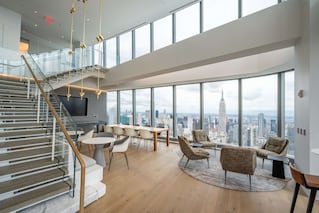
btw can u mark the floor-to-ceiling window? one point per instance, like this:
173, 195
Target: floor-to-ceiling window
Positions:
219, 12
143, 107
252, 6
187, 22
126, 107
289, 108
142, 40
163, 34
259, 109
111, 52
187, 109
111, 108
125, 46
221, 111
163, 107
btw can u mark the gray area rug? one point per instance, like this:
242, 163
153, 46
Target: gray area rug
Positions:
261, 181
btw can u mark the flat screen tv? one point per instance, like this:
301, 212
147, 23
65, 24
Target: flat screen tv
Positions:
75, 105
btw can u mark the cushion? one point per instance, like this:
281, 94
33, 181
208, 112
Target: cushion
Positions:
275, 144
200, 136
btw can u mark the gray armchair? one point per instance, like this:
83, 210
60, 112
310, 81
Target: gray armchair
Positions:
274, 146
190, 152
200, 136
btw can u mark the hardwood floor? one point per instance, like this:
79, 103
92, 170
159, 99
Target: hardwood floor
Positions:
154, 183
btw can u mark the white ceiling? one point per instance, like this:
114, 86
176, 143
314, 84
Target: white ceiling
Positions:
117, 16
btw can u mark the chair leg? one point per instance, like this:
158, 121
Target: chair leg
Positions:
186, 163
182, 157
311, 200
249, 182
262, 166
225, 176
294, 199
207, 162
110, 160
126, 160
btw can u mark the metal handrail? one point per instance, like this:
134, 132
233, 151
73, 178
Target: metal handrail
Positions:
67, 136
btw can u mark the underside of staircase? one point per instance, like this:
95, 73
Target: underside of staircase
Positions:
28, 172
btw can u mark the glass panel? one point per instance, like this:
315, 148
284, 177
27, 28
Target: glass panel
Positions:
126, 47
187, 22
111, 108
126, 107
142, 40
163, 33
251, 6
219, 12
111, 52
187, 109
221, 111
98, 54
143, 107
163, 102
259, 109
289, 103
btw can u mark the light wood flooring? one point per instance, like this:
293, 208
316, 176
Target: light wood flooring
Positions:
154, 183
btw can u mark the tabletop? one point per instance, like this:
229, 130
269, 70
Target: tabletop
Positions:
98, 140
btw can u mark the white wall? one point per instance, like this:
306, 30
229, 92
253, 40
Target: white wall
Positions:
273, 28
10, 27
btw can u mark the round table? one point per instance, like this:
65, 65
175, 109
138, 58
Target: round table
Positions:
99, 143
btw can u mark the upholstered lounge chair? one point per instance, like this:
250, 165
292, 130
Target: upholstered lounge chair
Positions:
238, 159
200, 136
190, 152
274, 146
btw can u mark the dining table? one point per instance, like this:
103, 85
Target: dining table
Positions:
154, 130
99, 143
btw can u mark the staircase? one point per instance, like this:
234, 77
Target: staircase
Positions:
29, 173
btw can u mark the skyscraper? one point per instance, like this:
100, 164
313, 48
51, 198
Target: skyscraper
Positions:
222, 116
261, 125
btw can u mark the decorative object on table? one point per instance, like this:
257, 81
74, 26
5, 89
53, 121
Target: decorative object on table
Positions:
238, 159
190, 152
274, 146
309, 181
261, 181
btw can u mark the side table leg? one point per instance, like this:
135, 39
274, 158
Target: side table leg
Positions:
278, 169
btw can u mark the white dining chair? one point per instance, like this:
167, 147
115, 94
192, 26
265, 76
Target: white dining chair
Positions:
118, 131
89, 134
132, 133
147, 137
120, 146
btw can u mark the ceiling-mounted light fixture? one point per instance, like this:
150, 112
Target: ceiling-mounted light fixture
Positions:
72, 11
83, 46
99, 37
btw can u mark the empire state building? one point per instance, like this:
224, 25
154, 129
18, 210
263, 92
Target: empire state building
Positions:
222, 116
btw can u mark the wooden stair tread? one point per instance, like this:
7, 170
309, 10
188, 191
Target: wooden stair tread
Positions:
25, 154
30, 198
29, 166
19, 110
21, 124
16, 99
18, 117
12, 82
23, 132
32, 141
31, 180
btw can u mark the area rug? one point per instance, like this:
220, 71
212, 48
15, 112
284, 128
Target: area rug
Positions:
261, 181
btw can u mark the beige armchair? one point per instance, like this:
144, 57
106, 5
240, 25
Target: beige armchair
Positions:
190, 152
274, 146
200, 136
238, 159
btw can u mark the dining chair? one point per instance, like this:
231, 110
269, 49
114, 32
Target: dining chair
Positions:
309, 181
119, 146
132, 133
89, 134
146, 135
108, 129
118, 131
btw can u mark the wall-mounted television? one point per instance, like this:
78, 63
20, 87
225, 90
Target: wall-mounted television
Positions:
75, 105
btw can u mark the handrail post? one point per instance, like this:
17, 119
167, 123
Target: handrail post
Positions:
38, 110
53, 138
28, 90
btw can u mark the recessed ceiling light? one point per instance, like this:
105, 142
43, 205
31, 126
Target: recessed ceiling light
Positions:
62, 36
35, 11
88, 19
35, 25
